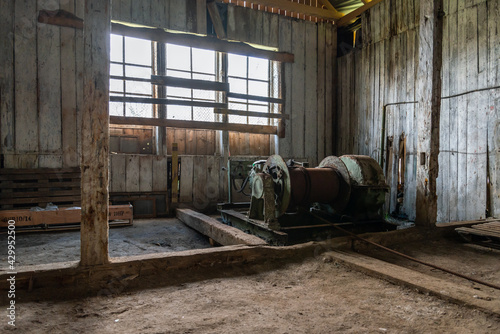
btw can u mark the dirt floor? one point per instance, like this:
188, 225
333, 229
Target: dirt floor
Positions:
315, 296
145, 236
465, 258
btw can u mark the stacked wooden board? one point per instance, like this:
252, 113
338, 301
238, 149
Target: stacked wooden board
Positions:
47, 197
487, 234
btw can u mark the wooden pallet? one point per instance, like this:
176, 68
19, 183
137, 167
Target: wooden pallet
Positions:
23, 189
26, 188
487, 234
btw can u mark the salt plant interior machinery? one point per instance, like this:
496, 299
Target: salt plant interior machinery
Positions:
290, 202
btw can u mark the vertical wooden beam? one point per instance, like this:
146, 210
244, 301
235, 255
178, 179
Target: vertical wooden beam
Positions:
95, 134
429, 101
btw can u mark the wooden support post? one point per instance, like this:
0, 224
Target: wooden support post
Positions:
95, 134
428, 92
216, 19
175, 173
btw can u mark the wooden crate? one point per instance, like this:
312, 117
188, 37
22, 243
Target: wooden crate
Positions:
63, 216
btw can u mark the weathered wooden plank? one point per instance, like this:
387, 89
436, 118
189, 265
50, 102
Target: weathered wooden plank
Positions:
201, 142
115, 8
132, 172
177, 15
247, 128
493, 149
311, 94
244, 24
160, 173
331, 87
453, 164
95, 134
390, 158
201, 16
118, 172
461, 77
180, 139
26, 113
472, 207
186, 179
157, 11
443, 185
68, 91
136, 12
493, 128
484, 105
471, 48
482, 152
482, 44
212, 187
411, 165
222, 234
7, 77
50, 161
285, 44
356, 130
146, 173
270, 29
321, 85
191, 142
493, 43
444, 163
146, 12
200, 198
462, 116
375, 103
298, 89
382, 99
49, 85
125, 10
370, 105
80, 12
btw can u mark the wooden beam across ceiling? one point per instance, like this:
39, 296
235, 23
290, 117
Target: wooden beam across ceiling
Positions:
330, 13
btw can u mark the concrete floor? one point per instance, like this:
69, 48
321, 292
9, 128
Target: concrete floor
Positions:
146, 236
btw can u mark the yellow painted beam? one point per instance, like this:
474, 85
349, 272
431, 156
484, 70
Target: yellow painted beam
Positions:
345, 20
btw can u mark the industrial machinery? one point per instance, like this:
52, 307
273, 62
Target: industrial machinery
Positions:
287, 198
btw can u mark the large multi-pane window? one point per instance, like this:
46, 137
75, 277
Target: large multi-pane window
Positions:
250, 84
190, 63
131, 66
248, 76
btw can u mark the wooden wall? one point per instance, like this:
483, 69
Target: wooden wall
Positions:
41, 86
41, 91
470, 122
382, 72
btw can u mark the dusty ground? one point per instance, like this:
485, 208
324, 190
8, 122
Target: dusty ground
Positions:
146, 236
465, 258
310, 297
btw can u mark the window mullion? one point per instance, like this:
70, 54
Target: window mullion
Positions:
124, 86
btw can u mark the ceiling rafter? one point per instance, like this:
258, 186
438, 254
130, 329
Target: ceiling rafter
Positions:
324, 13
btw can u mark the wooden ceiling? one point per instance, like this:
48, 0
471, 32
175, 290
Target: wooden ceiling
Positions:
339, 12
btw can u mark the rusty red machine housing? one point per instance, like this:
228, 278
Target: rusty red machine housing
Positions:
352, 185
